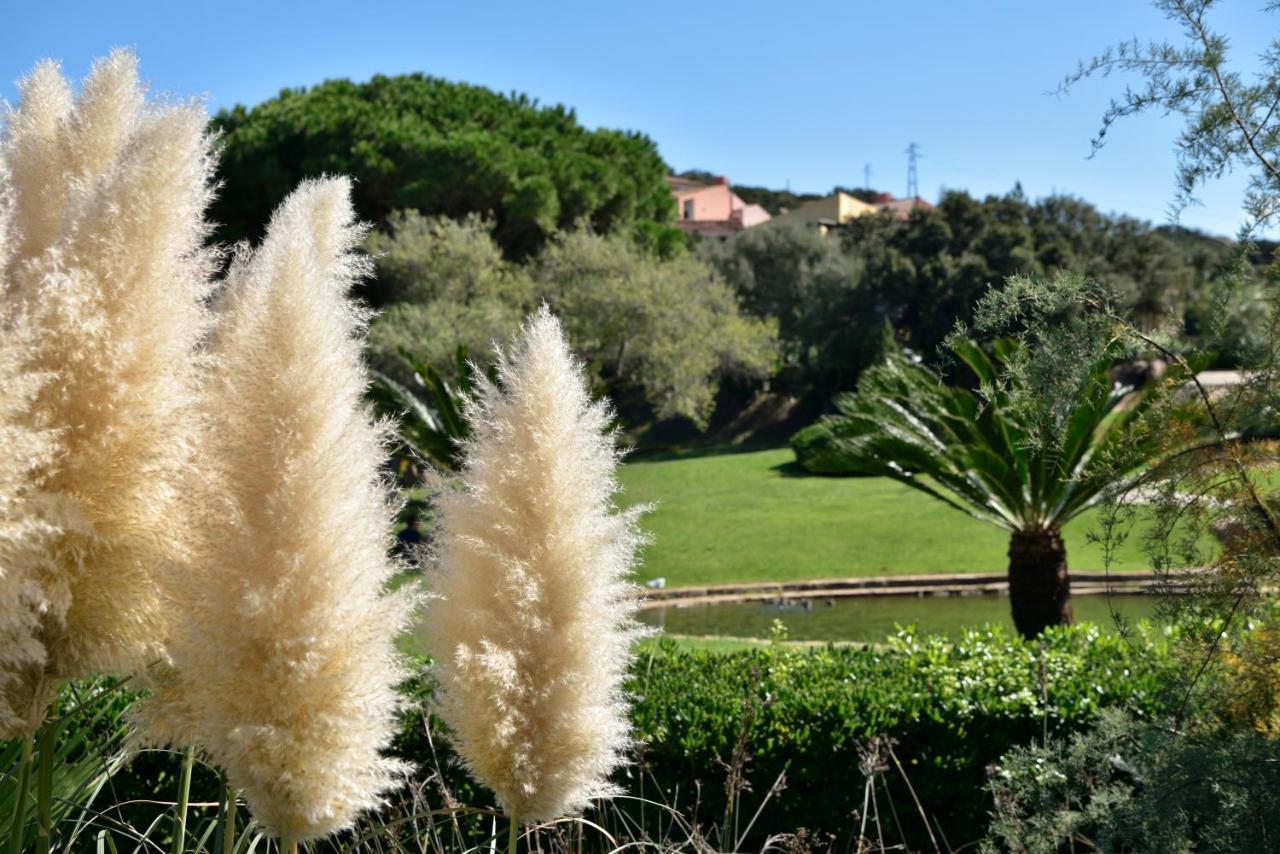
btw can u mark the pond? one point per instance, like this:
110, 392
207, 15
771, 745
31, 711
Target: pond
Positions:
872, 618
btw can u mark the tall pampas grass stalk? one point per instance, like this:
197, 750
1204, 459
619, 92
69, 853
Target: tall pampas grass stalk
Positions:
283, 669
105, 262
532, 625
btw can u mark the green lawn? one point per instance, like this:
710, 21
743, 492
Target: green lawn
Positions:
754, 516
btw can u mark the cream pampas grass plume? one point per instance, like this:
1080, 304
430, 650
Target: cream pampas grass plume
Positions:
284, 668
533, 625
24, 528
30, 519
104, 261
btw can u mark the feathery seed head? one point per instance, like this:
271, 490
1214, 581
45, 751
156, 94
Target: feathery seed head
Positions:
533, 625
284, 667
29, 520
105, 270
34, 158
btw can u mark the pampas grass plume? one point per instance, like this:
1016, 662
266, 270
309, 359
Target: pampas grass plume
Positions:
105, 264
284, 666
532, 627
30, 519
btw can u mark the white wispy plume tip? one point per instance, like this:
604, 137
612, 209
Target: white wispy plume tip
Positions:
284, 665
104, 267
532, 627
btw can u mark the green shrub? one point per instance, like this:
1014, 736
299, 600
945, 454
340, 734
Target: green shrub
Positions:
952, 707
666, 327
1139, 785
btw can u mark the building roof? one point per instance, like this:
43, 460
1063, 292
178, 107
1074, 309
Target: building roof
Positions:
900, 207
680, 185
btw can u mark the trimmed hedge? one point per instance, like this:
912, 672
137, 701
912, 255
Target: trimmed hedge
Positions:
953, 708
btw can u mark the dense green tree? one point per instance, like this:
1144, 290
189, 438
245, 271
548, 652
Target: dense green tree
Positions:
827, 327
447, 286
929, 270
923, 274
669, 328
439, 147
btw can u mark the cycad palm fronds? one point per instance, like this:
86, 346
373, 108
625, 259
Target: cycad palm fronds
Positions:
985, 455
977, 452
432, 429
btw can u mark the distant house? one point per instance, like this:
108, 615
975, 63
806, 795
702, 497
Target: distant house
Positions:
839, 209
826, 213
712, 209
901, 208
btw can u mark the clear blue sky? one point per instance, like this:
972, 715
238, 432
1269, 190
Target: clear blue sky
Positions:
767, 93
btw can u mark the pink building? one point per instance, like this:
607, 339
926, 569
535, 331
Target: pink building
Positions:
900, 208
712, 210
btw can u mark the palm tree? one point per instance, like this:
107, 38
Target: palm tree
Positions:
983, 454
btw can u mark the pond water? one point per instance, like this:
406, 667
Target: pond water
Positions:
872, 618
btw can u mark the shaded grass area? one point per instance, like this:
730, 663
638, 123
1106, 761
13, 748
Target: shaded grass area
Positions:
756, 516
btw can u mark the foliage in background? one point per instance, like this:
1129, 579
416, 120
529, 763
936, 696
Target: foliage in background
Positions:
667, 328
457, 151
447, 287
442, 148
1133, 784
671, 328
828, 323
931, 268
924, 274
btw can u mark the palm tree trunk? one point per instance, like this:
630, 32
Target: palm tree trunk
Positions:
1039, 587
